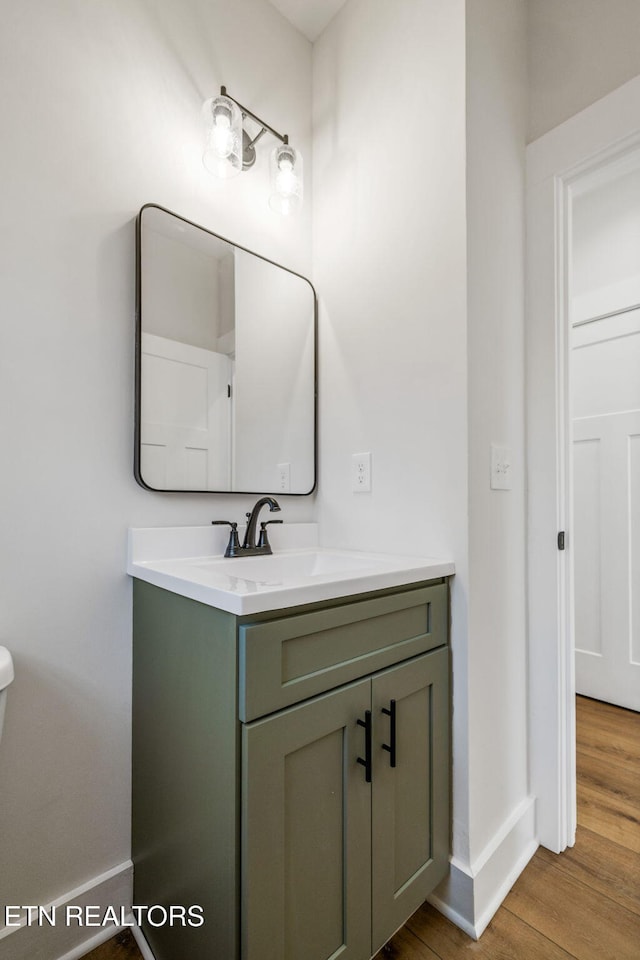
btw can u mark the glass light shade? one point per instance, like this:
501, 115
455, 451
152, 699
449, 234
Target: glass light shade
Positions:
223, 132
286, 180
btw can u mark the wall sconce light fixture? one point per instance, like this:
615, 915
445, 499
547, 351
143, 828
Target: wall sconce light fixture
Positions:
230, 149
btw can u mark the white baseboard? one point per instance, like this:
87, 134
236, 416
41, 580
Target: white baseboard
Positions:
45, 942
470, 895
78, 952
141, 940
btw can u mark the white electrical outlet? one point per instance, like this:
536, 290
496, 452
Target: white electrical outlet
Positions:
284, 477
500, 467
361, 472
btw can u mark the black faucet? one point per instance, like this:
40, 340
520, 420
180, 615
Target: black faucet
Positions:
249, 547
249, 542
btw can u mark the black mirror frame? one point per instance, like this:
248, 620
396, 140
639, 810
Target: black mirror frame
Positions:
138, 363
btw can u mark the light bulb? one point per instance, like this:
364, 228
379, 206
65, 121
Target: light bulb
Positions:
286, 180
223, 146
222, 138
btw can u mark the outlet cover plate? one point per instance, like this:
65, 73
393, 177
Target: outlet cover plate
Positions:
500, 467
361, 472
284, 477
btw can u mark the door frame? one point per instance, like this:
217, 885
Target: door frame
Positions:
591, 140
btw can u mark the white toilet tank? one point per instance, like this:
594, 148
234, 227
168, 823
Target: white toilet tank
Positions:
6, 677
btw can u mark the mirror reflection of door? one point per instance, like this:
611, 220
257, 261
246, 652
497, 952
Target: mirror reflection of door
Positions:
605, 379
186, 435
188, 351
226, 365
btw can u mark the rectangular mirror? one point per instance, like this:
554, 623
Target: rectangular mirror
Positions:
225, 365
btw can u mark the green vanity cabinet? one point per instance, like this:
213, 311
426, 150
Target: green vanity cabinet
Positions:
291, 771
306, 832
333, 865
410, 802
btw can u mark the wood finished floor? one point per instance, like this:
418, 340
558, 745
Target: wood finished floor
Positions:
120, 947
583, 904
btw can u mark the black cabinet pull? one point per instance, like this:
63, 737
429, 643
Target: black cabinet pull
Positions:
366, 763
391, 746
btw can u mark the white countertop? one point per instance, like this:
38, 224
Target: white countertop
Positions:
190, 561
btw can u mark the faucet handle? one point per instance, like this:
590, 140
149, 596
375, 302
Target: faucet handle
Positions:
233, 545
263, 540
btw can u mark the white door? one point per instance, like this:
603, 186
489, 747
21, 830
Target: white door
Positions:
185, 416
606, 507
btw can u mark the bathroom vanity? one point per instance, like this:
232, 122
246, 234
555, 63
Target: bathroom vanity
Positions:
291, 759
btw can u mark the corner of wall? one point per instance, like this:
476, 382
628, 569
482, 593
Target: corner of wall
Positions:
471, 893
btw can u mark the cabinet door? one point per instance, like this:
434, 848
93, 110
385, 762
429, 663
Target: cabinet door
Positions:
306, 832
410, 801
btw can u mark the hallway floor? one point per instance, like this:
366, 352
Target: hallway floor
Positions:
583, 904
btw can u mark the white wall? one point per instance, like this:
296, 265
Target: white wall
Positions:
425, 372
100, 113
605, 236
500, 813
579, 50
389, 266
496, 110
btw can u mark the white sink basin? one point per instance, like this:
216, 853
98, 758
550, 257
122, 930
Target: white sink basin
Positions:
289, 577
289, 567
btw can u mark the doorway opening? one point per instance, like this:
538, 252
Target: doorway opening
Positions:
604, 397
583, 155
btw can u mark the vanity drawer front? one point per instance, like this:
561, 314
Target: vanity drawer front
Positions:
290, 659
